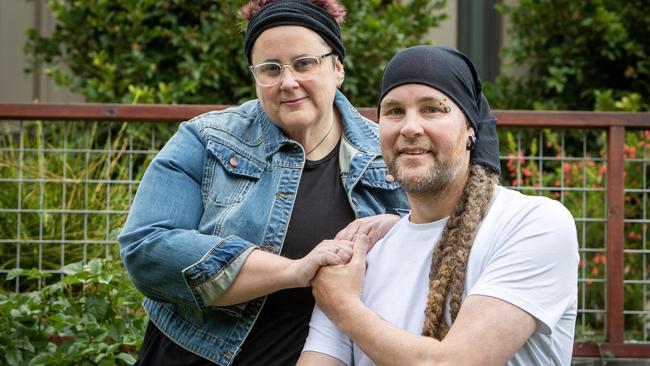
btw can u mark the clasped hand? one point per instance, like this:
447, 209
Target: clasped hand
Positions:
339, 250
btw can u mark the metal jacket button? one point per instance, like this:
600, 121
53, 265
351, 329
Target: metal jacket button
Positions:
390, 178
233, 161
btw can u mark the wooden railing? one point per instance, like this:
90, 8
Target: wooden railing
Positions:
615, 124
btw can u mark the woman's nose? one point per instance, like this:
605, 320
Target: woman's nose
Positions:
287, 78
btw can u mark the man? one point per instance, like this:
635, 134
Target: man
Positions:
476, 274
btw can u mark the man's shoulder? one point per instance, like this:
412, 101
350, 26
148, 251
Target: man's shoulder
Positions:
511, 212
511, 202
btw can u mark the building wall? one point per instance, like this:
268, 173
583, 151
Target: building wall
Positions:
16, 17
446, 34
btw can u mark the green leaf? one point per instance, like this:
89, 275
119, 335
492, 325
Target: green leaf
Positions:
130, 360
13, 274
14, 357
95, 266
72, 269
97, 306
99, 357
40, 360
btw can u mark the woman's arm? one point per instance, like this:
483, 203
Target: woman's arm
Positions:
169, 260
264, 273
166, 256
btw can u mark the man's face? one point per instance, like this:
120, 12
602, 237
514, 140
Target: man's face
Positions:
423, 138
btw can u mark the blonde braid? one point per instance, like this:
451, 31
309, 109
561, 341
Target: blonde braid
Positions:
449, 262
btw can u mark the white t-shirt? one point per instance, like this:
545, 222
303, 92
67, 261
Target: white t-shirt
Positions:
525, 253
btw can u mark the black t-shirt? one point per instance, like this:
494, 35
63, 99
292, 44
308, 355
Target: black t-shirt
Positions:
277, 337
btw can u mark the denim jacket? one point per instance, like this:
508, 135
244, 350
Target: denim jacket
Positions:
222, 186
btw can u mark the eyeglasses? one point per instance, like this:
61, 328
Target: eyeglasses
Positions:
303, 68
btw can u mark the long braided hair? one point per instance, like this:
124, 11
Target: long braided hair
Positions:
449, 262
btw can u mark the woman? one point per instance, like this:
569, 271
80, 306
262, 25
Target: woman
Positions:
238, 204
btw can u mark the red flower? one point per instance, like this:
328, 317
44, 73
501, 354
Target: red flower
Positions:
630, 152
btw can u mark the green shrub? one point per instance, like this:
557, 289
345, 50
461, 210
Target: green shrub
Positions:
90, 317
572, 52
177, 51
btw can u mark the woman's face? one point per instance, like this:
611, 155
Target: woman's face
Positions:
295, 104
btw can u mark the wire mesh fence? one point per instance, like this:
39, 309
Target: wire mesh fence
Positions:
65, 189
66, 186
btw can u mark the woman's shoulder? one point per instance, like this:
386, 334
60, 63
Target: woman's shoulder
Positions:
360, 132
243, 122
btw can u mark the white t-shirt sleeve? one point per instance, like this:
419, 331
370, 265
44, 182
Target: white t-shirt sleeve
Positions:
325, 337
534, 264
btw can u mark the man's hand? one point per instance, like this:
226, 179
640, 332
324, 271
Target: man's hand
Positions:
374, 227
326, 253
336, 286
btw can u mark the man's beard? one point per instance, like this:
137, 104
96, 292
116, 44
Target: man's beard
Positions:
434, 181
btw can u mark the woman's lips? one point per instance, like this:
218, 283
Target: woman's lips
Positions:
292, 103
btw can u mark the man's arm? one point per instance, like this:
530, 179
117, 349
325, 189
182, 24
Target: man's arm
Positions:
320, 359
493, 329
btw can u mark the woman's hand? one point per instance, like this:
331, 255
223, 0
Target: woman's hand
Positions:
374, 227
264, 273
327, 252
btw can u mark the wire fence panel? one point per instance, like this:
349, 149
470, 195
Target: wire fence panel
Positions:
66, 187
569, 166
637, 248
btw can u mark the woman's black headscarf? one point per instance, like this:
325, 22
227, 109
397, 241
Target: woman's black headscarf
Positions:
295, 12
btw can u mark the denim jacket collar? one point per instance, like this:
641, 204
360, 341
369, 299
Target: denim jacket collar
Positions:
358, 135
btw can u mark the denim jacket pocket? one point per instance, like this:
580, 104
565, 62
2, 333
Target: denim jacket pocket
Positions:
228, 173
377, 177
